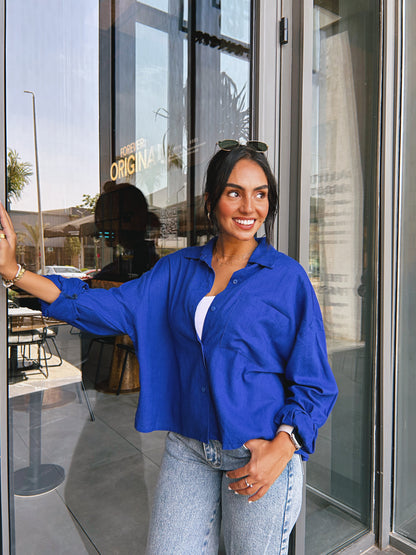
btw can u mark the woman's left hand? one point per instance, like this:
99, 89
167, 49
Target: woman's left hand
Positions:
268, 460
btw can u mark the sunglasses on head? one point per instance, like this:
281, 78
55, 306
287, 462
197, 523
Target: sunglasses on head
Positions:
229, 144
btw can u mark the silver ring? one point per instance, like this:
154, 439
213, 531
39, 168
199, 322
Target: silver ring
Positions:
2, 236
247, 484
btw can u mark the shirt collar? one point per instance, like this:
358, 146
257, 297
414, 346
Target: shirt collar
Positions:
263, 255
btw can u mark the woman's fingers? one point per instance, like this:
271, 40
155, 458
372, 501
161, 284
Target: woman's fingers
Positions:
254, 490
243, 484
8, 264
6, 222
239, 473
2, 213
7, 225
8, 230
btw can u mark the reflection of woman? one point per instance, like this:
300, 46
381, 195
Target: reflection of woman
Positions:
121, 217
233, 363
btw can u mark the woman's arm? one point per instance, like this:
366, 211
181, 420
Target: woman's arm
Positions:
119, 310
34, 284
310, 393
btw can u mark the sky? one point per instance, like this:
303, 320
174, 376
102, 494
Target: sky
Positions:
52, 50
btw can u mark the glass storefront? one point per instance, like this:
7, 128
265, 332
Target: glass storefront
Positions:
343, 233
113, 108
107, 150
405, 460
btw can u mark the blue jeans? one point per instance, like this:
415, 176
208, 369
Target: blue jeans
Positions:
193, 500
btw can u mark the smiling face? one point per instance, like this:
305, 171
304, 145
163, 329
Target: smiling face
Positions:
243, 205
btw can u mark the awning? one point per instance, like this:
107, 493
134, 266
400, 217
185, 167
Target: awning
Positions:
79, 227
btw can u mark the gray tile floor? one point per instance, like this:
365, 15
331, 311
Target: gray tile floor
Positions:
110, 470
110, 473
103, 504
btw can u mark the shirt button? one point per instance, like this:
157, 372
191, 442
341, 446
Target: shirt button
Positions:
213, 308
203, 389
235, 281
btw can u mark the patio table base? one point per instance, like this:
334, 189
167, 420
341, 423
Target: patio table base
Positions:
34, 481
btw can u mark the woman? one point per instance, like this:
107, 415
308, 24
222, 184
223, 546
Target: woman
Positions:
233, 364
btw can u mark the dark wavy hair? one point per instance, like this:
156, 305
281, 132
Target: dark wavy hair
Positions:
219, 169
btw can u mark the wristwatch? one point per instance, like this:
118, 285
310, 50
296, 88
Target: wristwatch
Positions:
290, 430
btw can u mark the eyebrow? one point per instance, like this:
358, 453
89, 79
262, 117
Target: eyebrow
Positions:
242, 188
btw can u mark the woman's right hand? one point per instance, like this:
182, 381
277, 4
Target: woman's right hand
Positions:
8, 264
38, 286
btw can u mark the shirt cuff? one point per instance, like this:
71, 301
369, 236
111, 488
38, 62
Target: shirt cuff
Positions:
70, 290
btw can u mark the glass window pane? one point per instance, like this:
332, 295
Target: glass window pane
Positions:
342, 235
121, 161
66, 109
222, 82
152, 117
158, 4
235, 19
405, 493
236, 72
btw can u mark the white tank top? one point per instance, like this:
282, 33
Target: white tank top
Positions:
201, 313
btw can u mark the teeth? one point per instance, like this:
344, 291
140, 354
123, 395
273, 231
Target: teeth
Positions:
244, 222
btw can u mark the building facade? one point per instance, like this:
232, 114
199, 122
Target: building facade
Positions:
103, 97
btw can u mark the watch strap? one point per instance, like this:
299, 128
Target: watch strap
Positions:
290, 430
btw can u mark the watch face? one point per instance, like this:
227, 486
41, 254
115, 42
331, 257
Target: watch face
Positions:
295, 440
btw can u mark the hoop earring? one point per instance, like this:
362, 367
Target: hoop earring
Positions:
209, 216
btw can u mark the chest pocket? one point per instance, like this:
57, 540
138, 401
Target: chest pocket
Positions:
261, 332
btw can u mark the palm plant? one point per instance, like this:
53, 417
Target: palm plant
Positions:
234, 116
18, 174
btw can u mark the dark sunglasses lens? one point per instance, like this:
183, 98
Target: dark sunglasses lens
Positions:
228, 144
258, 145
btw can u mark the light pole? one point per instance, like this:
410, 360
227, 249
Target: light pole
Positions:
40, 217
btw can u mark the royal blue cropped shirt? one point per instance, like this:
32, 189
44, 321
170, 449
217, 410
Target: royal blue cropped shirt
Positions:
261, 361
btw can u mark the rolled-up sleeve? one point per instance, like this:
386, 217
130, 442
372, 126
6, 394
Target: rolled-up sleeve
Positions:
99, 311
311, 390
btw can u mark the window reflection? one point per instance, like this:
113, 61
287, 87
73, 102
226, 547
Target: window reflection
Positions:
122, 220
405, 490
158, 4
153, 115
340, 262
235, 20
162, 138
151, 131
127, 119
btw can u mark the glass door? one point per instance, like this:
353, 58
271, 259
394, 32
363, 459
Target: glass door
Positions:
342, 253
113, 109
404, 507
